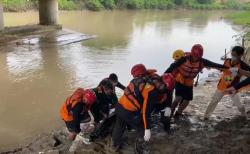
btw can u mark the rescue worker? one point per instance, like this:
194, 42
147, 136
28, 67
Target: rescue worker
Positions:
135, 107
75, 108
165, 98
185, 70
227, 80
178, 54
114, 79
105, 98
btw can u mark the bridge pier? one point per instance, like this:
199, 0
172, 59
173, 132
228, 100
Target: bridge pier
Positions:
1, 17
48, 12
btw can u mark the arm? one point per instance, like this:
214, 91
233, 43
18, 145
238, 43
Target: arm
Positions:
77, 110
244, 73
175, 65
242, 84
211, 64
235, 88
121, 86
245, 69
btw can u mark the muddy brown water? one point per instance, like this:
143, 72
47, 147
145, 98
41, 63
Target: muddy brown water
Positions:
34, 83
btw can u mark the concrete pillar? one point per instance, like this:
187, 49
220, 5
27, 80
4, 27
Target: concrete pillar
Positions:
1, 17
48, 12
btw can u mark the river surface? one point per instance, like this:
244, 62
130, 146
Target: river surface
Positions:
35, 83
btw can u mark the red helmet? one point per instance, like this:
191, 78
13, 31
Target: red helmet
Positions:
89, 97
138, 69
197, 51
169, 80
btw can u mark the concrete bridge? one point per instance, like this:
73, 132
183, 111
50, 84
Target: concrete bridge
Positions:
48, 13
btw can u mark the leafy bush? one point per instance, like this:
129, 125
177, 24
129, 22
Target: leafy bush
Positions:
67, 5
151, 4
178, 2
189, 2
15, 5
205, 1
94, 5
246, 6
108, 4
233, 4
165, 4
134, 4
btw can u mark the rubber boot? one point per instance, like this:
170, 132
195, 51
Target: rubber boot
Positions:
141, 147
166, 123
181, 108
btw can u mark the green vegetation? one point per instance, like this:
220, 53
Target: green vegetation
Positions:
241, 18
18, 5
67, 5
96, 5
23, 5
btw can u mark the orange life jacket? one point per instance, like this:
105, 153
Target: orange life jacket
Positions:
162, 97
76, 97
188, 71
132, 98
227, 80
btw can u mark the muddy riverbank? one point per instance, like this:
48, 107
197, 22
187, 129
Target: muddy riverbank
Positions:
225, 133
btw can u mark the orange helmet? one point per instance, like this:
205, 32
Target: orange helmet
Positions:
197, 51
89, 97
138, 69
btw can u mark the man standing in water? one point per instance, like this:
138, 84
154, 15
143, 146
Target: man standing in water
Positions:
185, 70
227, 80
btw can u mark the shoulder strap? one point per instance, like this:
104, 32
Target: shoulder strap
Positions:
138, 89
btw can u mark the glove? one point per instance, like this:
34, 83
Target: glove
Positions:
80, 137
234, 71
147, 135
167, 112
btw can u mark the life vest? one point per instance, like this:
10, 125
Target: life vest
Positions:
76, 97
188, 71
131, 103
132, 98
227, 80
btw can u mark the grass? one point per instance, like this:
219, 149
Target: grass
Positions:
240, 18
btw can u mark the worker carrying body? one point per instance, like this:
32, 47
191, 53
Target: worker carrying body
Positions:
136, 105
76, 108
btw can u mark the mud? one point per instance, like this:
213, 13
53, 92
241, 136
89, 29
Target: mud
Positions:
226, 132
